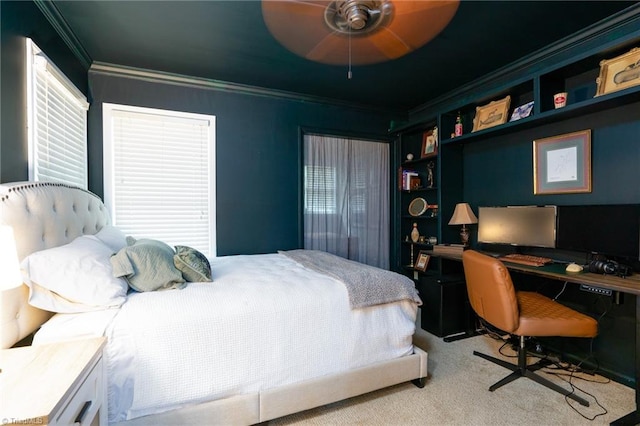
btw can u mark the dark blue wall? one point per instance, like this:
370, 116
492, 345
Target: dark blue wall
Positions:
258, 152
22, 19
258, 137
499, 171
258, 155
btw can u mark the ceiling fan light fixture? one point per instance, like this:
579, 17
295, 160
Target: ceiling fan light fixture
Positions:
357, 17
358, 32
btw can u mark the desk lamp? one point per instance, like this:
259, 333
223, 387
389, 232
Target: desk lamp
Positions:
463, 215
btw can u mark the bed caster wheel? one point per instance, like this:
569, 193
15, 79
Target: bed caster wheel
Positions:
420, 382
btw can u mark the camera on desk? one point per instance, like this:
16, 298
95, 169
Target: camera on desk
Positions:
609, 267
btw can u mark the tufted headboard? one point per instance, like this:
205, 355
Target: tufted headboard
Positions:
43, 215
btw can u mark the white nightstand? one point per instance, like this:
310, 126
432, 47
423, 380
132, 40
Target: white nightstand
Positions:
56, 384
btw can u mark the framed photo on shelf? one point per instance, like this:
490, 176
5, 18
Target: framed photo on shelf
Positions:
562, 164
492, 114
522, 111
429, 144
422, 262
619, 73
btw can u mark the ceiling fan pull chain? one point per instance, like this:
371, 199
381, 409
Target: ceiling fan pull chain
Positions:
349, 74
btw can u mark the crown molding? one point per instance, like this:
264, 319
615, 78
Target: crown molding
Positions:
55, 18
218, 85
615, 27
51, 12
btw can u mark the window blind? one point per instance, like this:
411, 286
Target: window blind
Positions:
159, 181
320, 189
57, 123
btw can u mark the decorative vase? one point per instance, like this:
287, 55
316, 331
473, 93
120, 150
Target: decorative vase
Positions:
415, 235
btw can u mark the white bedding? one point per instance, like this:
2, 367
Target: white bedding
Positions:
263, 322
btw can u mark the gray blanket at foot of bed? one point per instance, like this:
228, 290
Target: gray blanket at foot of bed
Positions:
366, 285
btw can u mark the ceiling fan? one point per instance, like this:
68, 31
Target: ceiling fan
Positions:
357, 32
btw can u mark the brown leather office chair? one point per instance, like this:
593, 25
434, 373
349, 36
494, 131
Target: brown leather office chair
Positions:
520, 313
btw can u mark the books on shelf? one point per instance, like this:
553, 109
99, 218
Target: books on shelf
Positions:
408, 180
454, 249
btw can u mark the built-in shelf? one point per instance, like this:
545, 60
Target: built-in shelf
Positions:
418, 190
593, 105
572, 65
423, 217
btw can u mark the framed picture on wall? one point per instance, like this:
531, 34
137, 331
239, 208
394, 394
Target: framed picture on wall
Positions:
562, 164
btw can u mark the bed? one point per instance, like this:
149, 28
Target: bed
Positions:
271, 335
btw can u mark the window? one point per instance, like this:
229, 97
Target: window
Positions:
319, 189
159, 177
56, 122
346, 197
358, 192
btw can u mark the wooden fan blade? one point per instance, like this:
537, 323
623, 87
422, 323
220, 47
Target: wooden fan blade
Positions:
330, 50
288, 9
301, 28
417, 28
389, 44
409, 7
335, 51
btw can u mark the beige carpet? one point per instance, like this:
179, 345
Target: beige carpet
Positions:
457, 394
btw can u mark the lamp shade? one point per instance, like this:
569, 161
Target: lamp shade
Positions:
463, 215
10, 276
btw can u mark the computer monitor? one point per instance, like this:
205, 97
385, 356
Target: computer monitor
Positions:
611, 230
527, 226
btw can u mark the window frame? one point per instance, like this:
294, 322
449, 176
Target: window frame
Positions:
109, 161
75, 154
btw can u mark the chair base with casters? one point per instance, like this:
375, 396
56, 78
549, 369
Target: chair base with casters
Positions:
520, 313
524, 370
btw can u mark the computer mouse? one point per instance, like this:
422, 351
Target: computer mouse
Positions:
573, 267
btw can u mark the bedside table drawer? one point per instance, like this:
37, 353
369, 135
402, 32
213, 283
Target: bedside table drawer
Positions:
83, 406
52, 383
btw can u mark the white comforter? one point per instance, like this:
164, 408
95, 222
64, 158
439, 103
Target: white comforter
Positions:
263, 322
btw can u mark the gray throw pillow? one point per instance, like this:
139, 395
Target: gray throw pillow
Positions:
194, 265
147, 265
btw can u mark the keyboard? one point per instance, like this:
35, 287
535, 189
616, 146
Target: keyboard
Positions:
526, 259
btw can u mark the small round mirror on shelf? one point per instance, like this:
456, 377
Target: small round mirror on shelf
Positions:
418, 206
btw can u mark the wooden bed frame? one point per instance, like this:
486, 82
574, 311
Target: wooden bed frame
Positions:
45, 215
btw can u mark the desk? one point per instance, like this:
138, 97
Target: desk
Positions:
629, 285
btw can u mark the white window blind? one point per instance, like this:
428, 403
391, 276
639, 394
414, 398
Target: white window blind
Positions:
56, 121
159, 178
320, 189
358, 192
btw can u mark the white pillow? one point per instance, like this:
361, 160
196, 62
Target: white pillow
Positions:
76, 277
112, 237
